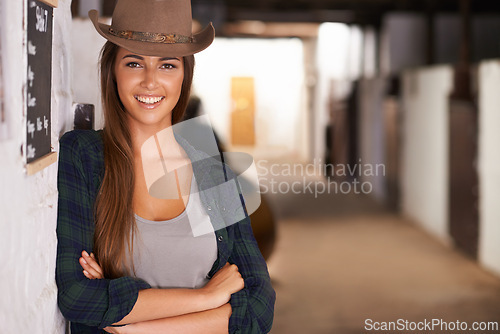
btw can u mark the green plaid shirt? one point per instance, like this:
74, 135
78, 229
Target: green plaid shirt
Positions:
91, 305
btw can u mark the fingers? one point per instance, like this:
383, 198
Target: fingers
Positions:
93, 263
89, 271
232, 268
240, 278
117, 330
231, 273
229, 266
223, 284
91, 268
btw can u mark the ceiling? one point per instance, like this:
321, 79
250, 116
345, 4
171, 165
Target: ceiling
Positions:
234, 13
348, 11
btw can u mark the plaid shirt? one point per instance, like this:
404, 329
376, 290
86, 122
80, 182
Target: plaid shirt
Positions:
91, 305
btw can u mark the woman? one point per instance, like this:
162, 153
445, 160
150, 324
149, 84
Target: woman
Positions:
128, 260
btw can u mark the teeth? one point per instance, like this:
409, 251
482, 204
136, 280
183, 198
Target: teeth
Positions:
148, 100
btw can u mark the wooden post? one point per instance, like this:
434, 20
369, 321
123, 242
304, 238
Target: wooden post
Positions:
430, 10
462, 77
463, 179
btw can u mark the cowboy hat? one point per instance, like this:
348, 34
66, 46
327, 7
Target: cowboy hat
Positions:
154, 28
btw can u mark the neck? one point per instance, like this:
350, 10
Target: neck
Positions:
140, 134
158, 141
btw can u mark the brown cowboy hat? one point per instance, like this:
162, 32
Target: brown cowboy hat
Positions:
154, 28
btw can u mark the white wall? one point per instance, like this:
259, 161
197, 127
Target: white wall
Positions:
84, 74
369, 53
85, 6
277, 68
424, 148
489, 165
29, 203
338, 61
371, 133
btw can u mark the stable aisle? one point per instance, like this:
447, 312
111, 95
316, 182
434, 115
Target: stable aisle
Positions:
341, 260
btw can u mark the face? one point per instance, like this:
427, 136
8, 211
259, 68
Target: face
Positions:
149, 88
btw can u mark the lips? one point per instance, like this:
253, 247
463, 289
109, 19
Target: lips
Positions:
149, 100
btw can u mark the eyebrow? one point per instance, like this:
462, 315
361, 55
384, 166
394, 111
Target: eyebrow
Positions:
142, 58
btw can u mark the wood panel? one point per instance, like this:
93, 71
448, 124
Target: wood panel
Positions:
392, 149
243, 111
463, 185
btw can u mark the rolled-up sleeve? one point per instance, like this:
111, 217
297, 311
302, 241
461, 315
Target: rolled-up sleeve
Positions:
95, 303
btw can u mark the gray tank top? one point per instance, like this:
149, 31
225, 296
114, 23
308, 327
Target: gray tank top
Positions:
179, 252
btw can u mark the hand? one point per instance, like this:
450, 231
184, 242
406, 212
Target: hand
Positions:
91, 269
223, 284
116, 330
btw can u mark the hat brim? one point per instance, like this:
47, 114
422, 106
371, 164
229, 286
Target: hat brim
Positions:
201, 41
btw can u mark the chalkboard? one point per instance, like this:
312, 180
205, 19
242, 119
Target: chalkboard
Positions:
39, 75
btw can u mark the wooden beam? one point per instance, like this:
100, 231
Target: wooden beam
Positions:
317, 16
39, 164
430, 16
462, 76
268, 29
52, 3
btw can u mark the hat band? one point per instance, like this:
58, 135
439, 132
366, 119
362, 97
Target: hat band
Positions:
151, 37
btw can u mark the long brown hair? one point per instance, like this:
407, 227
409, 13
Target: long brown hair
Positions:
113, 210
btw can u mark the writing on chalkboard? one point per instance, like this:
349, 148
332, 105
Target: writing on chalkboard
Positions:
31, 49
31, 101
31, 76
41, 19
31, 154
38, 78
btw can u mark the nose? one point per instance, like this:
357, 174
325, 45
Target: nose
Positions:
149, 80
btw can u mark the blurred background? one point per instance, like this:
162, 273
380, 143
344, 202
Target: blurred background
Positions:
374, 129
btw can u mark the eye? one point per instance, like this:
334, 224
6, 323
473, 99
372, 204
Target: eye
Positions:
168, 66
133, 65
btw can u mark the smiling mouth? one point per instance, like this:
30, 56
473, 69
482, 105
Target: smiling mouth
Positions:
149, 100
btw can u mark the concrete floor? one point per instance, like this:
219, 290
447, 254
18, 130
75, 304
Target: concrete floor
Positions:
342, 259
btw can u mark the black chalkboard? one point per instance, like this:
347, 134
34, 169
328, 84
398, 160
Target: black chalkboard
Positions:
39, 74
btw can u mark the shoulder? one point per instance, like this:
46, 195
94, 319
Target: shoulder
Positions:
82, 149
84, 139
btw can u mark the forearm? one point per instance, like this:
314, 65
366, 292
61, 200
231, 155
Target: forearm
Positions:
154, 304
214, 321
